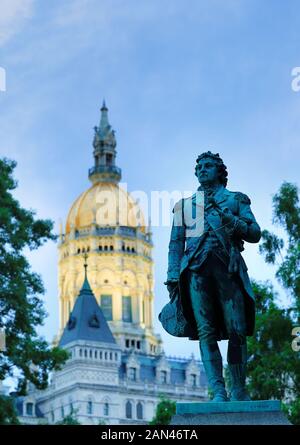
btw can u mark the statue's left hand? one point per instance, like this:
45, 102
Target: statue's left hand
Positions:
227, 216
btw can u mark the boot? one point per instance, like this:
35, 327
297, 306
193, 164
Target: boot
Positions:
237, 365
212, 362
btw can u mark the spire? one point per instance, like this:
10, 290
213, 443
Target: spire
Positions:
104, 144
86, 321
104, 124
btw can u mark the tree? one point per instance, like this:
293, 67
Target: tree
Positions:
8, 413
70, 419
274, 367
27, 355
286, 255
164, 411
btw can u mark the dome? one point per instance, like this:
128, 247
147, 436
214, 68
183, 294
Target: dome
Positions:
106, 204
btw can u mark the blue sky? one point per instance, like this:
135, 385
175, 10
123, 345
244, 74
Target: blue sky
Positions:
179, 77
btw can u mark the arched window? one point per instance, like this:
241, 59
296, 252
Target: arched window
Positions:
111, 247
133, 249
90, 407
106, 409
29, 409
78, 250
100, 247
193, 380
132, 374
128, 410
163, 377
139, 411
105, 247
128, 249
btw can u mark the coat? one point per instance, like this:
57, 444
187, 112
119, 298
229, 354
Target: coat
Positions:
177, 316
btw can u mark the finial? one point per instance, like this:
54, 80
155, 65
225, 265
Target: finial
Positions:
104, 107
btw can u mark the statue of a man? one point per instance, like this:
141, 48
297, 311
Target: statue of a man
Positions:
214, 290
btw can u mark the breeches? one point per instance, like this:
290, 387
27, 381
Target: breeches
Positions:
216, 297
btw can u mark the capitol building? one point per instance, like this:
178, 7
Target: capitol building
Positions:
117, 368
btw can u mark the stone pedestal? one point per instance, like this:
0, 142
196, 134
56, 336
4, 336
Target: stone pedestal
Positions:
262, 412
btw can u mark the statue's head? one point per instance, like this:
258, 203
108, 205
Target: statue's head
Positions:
210, 168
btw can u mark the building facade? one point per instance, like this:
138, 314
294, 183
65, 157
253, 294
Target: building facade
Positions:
117, 368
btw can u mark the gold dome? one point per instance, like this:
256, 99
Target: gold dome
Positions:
105, 204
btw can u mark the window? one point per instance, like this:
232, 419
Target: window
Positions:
62, 412
71, 408
52, 416
126, 309
106, 306
128, 410
163, 376
139, 411
90, 407
109, 159
29, 409
106, 409
127, 343
193, 380
132, 374
138, 344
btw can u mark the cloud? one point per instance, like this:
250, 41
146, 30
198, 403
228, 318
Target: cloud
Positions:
13, 15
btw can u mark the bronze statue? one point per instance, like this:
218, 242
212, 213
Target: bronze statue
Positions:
210, 291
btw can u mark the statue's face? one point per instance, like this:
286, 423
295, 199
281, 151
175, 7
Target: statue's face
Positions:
207, 171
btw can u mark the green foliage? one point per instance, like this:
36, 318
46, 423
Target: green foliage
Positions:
164, 411
273, 366
21, 309
286, 255
8, 415
70, 419
292, 411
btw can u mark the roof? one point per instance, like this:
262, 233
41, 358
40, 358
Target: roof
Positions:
86, 321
